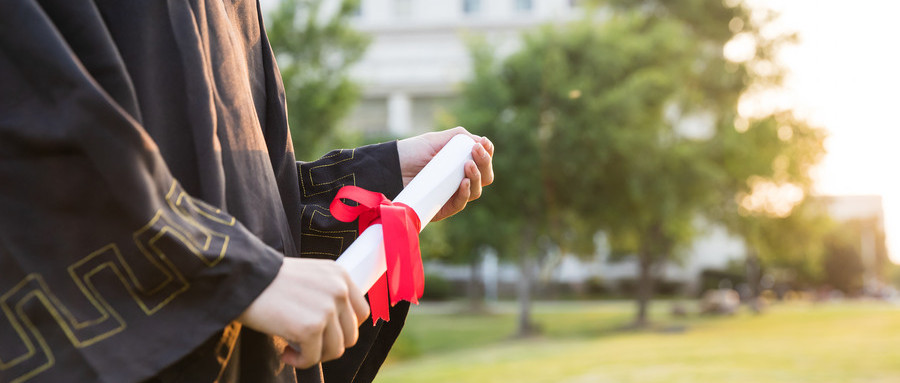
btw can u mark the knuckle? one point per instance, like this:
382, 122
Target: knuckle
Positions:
296, 333
343, 292
329, 312
308, 331
350, 339
322, 323
337, 352
464, 189
304, 362
363, 313
343, 280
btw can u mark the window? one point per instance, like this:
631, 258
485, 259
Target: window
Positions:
523, 5
471, 6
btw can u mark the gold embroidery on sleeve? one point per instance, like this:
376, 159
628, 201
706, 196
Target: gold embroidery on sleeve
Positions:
30, 363
188, 225
310, 187
329, 243
336, 239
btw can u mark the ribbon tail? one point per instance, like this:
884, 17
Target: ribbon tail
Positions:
418, 271
408, 260
378, 300
400, 254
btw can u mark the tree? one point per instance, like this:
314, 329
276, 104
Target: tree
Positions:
636, 176
500, 220
791, 242
591, 118
315, 47
763, 156
579, 113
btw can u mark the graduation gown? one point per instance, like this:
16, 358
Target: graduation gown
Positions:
148, 194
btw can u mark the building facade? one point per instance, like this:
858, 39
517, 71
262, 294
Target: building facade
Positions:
419, 54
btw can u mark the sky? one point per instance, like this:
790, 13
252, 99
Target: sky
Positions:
845, 76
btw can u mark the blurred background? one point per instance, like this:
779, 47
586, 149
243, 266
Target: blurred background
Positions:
687, 190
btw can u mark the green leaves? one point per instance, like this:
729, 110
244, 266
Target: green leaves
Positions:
315, 49
587, 141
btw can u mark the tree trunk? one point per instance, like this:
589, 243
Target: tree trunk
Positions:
473, 289
526, 280
644, 289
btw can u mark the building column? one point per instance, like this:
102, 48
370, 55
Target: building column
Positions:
399, 114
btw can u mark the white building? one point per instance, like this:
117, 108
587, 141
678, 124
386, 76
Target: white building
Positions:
419, 53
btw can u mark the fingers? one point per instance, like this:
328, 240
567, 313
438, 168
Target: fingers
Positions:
358, 303
355, 312
439, 139
457, 202
328, 344
483, 154
314, 306
474, 176
349, 325
488, 145
459, 130
333, 340
291, 355
461, 197
309, 354
480, 171
412, 160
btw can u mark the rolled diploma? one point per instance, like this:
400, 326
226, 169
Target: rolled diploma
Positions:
364, 260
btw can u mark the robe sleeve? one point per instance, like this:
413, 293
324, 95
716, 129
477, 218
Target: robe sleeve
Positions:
109, 271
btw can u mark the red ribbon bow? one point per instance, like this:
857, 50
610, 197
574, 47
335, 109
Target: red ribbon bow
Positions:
404, 279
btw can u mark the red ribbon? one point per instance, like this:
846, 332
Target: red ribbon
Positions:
404, 279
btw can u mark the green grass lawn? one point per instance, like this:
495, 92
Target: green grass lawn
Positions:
582, 342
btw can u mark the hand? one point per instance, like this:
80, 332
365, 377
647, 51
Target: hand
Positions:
415, 152
311, 303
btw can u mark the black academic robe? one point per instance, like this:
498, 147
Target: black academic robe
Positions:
148, 194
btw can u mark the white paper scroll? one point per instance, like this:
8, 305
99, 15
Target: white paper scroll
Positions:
364, 260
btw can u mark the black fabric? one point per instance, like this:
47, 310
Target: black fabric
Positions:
149, 192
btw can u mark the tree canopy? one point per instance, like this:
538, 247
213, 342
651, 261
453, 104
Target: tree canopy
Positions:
627, 122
